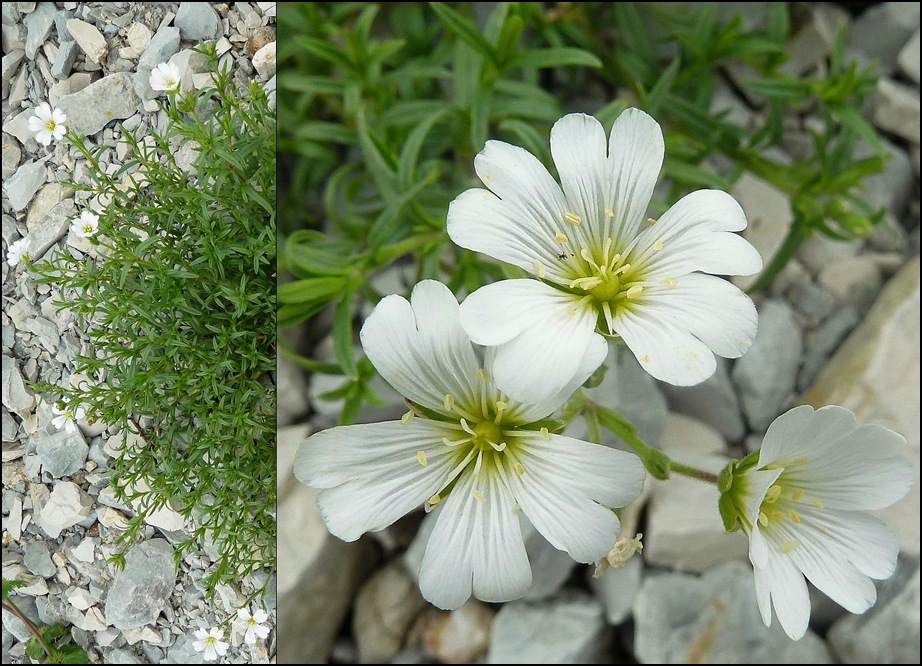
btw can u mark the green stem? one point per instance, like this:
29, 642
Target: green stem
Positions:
14, 609
692, 472
792, 241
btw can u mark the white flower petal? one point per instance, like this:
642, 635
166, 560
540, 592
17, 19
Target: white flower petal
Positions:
712, 309
476, 546
667, 352
370, 475
564, 486
579, 147
799, 431
789, 595
636, 151
478, 220
420, 348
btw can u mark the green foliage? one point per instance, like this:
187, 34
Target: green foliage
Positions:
178, 301
384, 105
47, 644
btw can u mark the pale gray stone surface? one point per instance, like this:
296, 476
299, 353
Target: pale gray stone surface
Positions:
197, 21
108, 99
37, 559
61, 453
141, 590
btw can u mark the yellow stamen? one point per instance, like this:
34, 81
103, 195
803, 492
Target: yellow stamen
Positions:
421, 458
406, 417
797, 494
479, 496
789, 546
545, 435
777, 515
773, 494
561, 237
795, 516
670, 282
634, 291
539, 269
519, 468
483, 375
609, 212
763, 519
448, 401
818, 504
572, 218
651, 221
658, 245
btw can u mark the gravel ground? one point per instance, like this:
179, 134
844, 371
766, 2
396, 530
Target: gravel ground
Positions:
839, 326
60, 520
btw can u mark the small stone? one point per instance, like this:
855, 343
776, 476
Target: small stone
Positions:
25, 183
855, 281
146, 633
895, 108
14, 521
16, 397
50, 229
385, 608
80, 598
38, 560
260, 37
567, 630
11, 61
814, 41
197, 21
162, 46
61, 453
89, 39
66, 506
85, 551
908, 59
824, 341
264, 61
92, 620
72, 84
38, 25
766, 375
111, 98
618, 588
64, 60
714, 619
879, 34
11, 157
60, 25
460, 636
140, 590
712, 401
47, 198
138, 36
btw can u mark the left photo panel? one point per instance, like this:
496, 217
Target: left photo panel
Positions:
139, 332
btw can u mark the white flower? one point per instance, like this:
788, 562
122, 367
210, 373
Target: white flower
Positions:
804, 499
600, 263
86, 225
480, 457
165, 76
251, 626
210, 643
67, 418
17, 251
47, 123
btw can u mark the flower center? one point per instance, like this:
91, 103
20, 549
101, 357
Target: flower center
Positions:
87, 228
486, 435
50, 124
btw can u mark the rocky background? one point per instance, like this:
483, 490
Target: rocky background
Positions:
60, 520
839, 326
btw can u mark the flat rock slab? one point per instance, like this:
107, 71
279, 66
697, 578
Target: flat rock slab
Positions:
110, 98
143, 587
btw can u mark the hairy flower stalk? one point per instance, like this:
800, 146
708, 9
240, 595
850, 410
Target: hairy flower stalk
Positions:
468, 451
603, 267
804, 501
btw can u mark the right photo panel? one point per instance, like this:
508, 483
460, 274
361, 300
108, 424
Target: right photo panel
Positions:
598, 332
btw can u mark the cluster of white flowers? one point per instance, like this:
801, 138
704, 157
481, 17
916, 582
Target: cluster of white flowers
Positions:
66, 418
165, 77
482, 379
250, 627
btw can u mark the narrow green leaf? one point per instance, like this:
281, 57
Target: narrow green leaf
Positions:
529, 138
324, 50
781, 87
10, 585
342, 335
379, 166
289, 315
554, 57
409, 154
851, 118
690, 174
464, 28
311, 289
658, 94
480, 119
319, 130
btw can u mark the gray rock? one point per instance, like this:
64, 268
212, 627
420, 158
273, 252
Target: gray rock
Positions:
66, 506
110, 98
45, 331
197, 21
61, 453
767, 373
856, 280
161, 48
824, 342
10, 61
25, 183
768, 211
11, 157
90, 40
60, 25
13, 624
550, 568
38, 560
888, 633
123, 656
141, 590
908, 59
64, 60
16, 397
894, 187
895, 108
565, 630
617, 589
385, 608
38, 25
714, 619
880, 33
50, 228
713, 402
813, 302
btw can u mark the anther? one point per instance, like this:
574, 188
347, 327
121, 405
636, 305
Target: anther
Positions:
448, 401
795, 516
484, 377
478, 496
519, 468
609, 212
570, 310
670, 282
561, 237
431, 503
545, 435
763, 519
658, 245
539, 269
777, 515
572, 218
500, 408
406, 418
421, 458
634, 291
797, 494
773, 493
789, 546
651, 221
